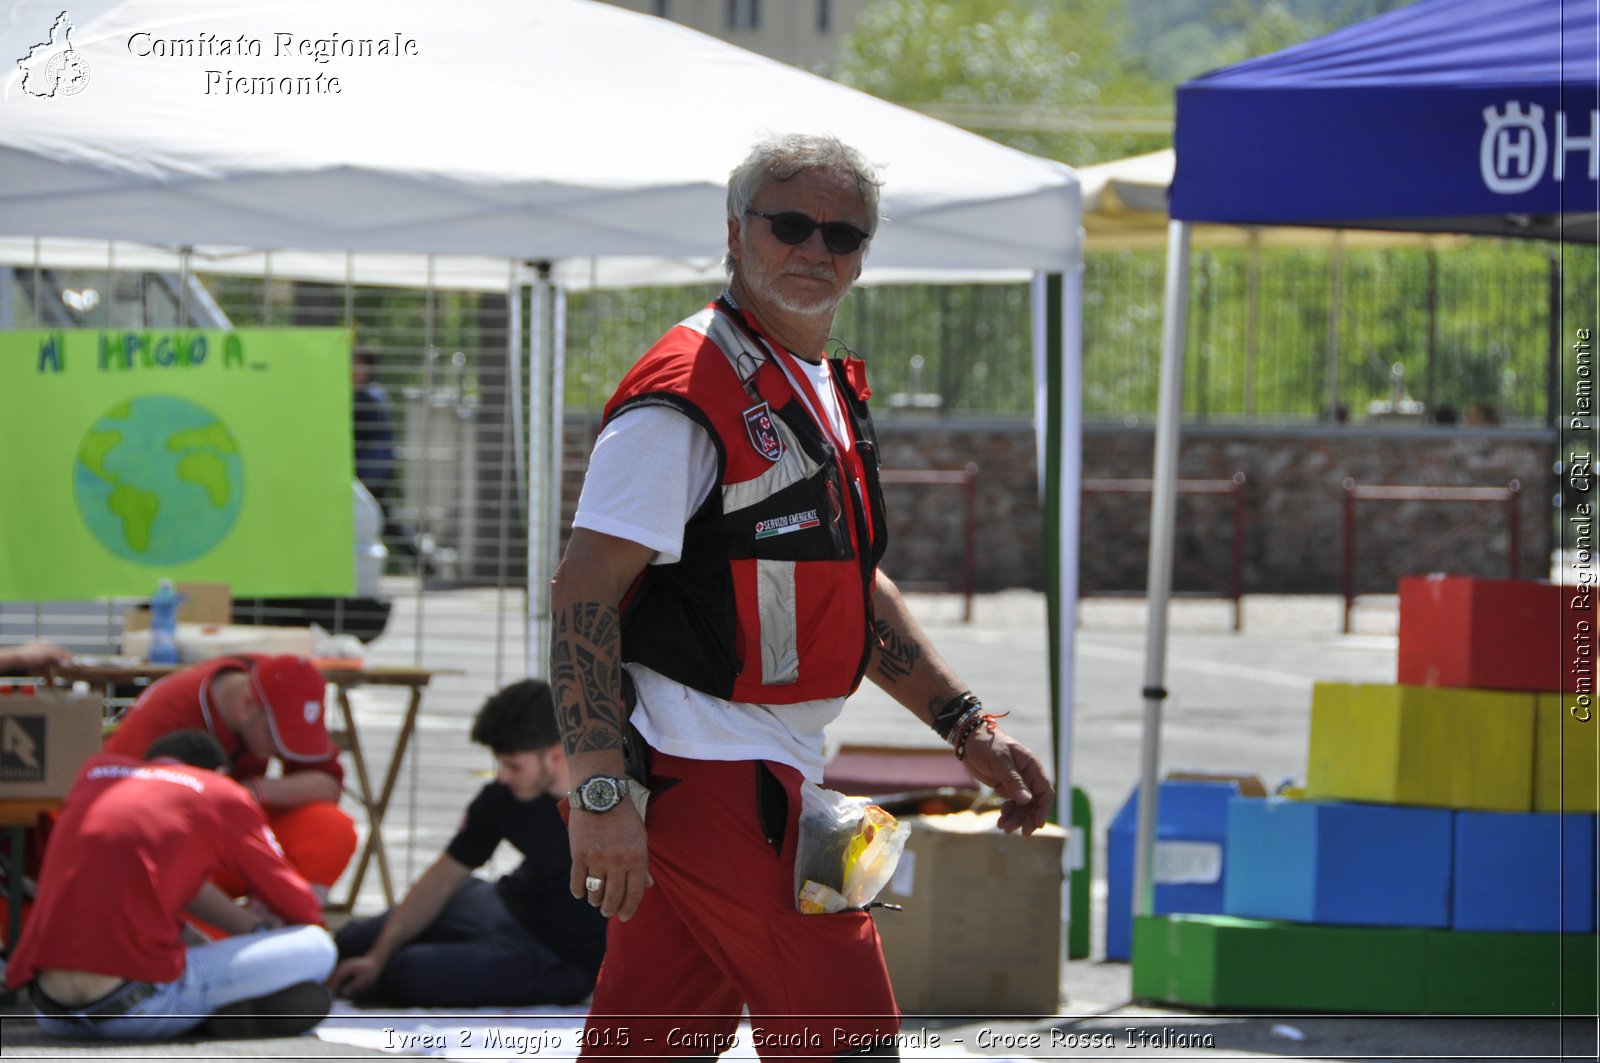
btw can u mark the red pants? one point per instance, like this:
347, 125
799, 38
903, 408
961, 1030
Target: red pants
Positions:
719, 932
318, 839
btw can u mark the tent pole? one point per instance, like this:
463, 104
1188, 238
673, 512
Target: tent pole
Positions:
111, 282
1335, 309
1058, 391
1068, 356
514, 352
1163, 510
1429, 399
543, 471
1252, 322
1552, 400
557, 424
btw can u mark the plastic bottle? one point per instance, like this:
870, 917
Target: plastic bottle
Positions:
164, 624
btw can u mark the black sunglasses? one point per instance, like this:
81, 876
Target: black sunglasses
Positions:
792, 227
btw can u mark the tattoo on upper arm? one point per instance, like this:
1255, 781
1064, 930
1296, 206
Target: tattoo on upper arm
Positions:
586, 677
896, 655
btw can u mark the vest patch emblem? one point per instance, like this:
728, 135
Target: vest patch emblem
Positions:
763, 433
766, 529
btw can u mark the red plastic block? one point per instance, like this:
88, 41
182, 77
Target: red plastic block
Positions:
1496, 634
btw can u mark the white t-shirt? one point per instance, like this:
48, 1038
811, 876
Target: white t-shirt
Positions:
821, 378
651, 469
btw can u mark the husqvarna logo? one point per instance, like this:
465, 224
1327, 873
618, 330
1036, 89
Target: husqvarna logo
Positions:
1516, 149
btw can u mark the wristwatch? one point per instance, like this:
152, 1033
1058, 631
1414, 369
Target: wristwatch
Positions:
601, 793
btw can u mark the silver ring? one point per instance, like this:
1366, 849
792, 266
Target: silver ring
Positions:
594, 884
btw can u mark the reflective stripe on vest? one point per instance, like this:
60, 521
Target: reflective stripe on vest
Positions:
775, 603
775, 594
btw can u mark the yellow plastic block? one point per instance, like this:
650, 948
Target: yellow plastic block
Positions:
1566, 754
1437, 746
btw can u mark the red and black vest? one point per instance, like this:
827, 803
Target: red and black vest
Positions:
771, 601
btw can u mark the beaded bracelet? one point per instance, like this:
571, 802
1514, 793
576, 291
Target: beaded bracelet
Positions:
968, 720
964, 730
970, 728
945, 720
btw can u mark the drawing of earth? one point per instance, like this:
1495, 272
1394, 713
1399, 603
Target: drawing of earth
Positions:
158, 480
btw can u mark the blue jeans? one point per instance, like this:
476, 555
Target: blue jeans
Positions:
214, 975
475, 954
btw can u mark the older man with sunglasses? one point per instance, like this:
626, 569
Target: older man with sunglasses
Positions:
719, 599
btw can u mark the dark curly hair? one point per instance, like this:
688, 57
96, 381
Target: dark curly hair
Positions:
519, 719
194, 748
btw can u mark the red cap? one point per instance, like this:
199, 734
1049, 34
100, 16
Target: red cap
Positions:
294, 694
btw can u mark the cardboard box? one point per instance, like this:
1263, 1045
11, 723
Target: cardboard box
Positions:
1247, 785
203, 603
1566, 755
981, 929
44, 740
1408, 745
202, 642
1491, 634
1356, 865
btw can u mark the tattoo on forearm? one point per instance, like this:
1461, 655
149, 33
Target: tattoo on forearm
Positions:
586, 677
896, 655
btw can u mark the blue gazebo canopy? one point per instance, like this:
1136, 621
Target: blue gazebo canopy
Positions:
1470, 116
1478, 116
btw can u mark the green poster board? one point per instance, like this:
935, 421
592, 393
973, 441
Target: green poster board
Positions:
205, 456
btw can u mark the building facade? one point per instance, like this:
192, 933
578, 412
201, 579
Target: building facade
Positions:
802, 33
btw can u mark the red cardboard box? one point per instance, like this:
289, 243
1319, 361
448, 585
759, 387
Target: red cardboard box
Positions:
1496, 634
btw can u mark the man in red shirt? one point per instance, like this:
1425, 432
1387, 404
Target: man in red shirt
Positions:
257, 708
103, 955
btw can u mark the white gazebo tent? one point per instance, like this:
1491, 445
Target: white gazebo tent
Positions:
563, 132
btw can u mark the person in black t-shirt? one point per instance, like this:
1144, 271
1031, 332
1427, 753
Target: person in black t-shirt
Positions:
456, 940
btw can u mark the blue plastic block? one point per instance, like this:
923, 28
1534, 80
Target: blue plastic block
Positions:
1191, 829
1525, 872
1339, 863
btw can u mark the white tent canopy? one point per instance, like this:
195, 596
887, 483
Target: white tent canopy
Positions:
561, 131
1125, 206
549, 130
401, 269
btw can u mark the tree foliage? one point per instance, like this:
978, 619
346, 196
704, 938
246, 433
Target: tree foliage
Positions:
1059, 78
1020, 61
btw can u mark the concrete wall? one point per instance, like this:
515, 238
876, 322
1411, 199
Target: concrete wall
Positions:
1292, 504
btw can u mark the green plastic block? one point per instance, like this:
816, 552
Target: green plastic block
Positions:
1218, 961
1511, 974
1083, 826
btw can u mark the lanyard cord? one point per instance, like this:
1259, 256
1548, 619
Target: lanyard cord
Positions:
847, 460
799, 381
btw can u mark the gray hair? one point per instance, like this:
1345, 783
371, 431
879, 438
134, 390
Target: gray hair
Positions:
779, 158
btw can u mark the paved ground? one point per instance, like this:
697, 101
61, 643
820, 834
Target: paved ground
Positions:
1240, 704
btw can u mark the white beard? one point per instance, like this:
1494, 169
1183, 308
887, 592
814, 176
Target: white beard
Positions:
766, 288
